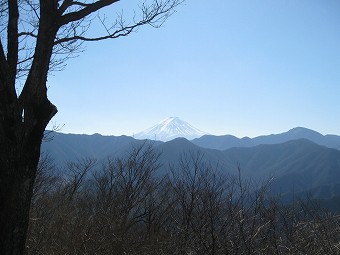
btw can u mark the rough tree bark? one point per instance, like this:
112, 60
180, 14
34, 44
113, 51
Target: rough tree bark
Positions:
24, 116
22, 124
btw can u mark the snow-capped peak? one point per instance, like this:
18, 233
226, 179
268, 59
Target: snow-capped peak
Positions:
169, 129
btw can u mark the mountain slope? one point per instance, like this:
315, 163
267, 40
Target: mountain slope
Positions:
222, 142
169, 129
228, 141
298, 166
295, 165
70, 147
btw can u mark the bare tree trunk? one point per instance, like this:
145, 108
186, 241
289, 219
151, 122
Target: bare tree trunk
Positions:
18, 167
20, 144
19, 156
23, 121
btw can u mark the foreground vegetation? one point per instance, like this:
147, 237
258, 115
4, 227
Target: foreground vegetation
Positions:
124, 206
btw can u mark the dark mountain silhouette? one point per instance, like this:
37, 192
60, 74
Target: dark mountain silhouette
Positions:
227, 141
70, 147
296, 166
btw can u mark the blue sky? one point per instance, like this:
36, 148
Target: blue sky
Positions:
245, 68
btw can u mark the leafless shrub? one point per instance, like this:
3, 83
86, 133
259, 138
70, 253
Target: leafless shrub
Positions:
125, 208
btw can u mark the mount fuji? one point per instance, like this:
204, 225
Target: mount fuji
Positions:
170, 129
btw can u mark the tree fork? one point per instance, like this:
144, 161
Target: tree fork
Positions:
19, 157
22, 125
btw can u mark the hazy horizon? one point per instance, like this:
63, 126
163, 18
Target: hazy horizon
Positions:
207, 133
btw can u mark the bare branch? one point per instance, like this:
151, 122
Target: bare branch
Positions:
154, 15
66, 4
77, 15
12, 45
27, 34
76, 3
3, 67
34, 8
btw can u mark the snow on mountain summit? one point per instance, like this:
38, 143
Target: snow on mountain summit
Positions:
169, 129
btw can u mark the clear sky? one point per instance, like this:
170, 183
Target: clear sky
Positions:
245, 68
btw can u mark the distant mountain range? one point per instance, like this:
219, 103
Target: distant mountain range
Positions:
70, 147
228, 141
297, 166
174, 127
170, 129
300, 161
